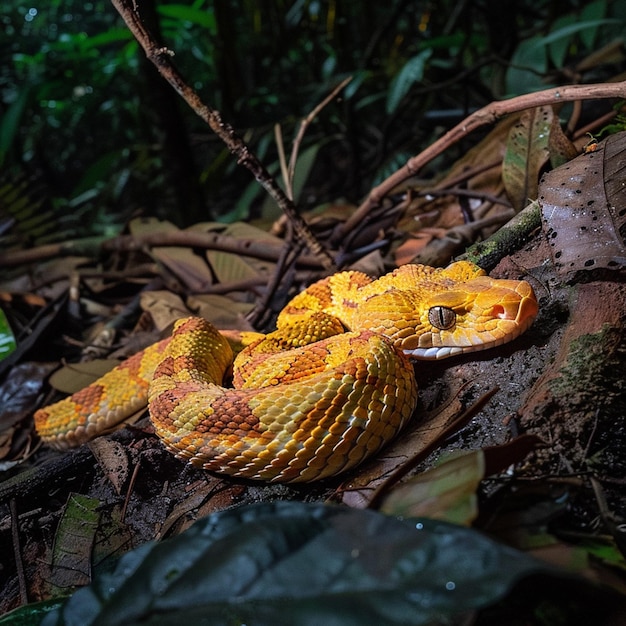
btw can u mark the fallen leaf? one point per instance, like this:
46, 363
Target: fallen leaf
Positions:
526, 154
583, 209
73, 542
445, 492
183, 262
113, 459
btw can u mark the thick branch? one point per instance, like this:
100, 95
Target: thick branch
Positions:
162, 59
94, 246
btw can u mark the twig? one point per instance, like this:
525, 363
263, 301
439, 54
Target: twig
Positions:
162, 59
400, 472
304, 124
280, 147
511, 236
257, 317
603, 120
19, 565
290, 172
465, 193
487, 115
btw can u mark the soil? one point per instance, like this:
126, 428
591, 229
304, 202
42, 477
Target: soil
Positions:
562, 381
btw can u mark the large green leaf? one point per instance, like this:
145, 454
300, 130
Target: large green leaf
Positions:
411, 73
204, 18
111, 36
528, 66
297, 563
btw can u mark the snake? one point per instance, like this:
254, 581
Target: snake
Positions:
323, 392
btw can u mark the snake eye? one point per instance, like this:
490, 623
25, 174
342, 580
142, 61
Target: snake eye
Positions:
441, 317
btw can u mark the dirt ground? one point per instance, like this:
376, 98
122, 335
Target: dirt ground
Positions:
562, 382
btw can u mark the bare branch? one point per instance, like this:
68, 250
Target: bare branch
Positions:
487, 115
304, 124
94, 246
162, 59
280, 147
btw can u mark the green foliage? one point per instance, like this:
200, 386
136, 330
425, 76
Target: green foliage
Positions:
619, 123
411, 73
79, 106
296, 563
7, 338
569, 36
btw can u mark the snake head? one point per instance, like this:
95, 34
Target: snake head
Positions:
484, 313
452, 319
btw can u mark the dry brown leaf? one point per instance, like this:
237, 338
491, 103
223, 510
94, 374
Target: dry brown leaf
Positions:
446, 492
411, 247
187, 266
583, 209
479, 171
164, 307
76, 376
233, 268
113, 459
50, 278
562, 149
204, 497
221, 311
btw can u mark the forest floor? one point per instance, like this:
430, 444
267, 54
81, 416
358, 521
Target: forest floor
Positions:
543, 415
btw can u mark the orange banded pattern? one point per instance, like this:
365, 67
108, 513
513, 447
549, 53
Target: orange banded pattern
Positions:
318, 396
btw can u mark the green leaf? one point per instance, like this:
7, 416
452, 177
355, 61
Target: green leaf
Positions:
189, 14
7, 338
73, 543
453, 42
305, 564
446, 492
526, 154
592, 11
559, 48
528, 65
411, 73
111, 36
30, 614
10, 122
571, 29
102, 168
358, 79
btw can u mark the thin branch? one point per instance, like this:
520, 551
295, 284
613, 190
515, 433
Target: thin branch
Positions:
465, 193
162, 59
304, 124
280, 147
487, 115
17, 552
289, 173
258, 316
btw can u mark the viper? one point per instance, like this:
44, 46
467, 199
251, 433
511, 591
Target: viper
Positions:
316, 397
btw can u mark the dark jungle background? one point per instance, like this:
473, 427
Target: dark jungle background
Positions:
90, 130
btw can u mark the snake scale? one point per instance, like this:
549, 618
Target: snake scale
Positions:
317, 396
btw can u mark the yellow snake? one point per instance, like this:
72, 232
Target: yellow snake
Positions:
317, 396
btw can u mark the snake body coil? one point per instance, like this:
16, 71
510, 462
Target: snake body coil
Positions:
319, 395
